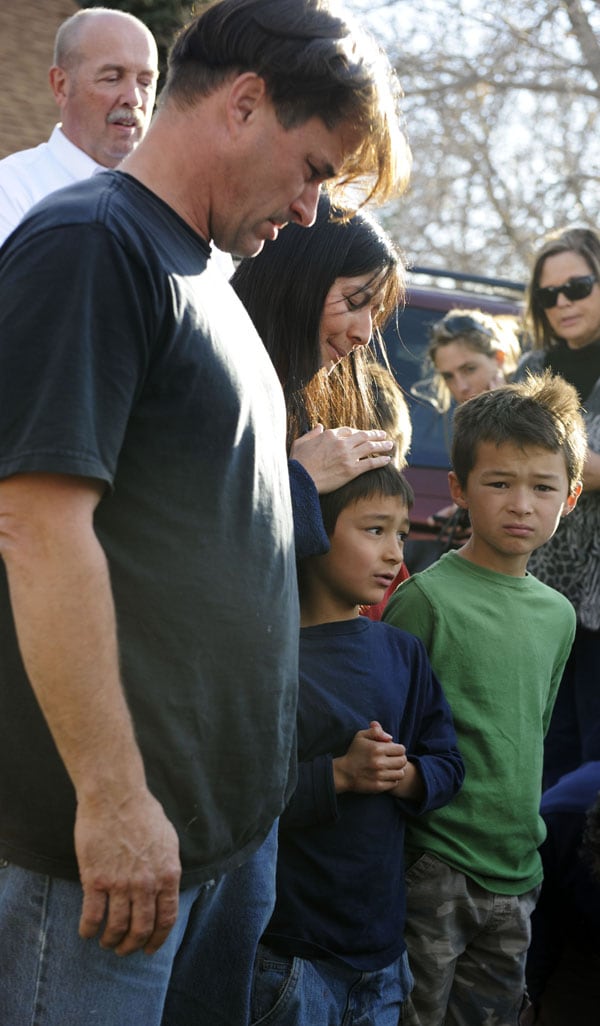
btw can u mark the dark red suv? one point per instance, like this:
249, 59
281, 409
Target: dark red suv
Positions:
431, 293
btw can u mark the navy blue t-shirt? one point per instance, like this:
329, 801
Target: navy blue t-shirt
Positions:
126, 357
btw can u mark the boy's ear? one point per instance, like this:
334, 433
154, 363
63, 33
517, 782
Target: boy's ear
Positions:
572, 498
456, 491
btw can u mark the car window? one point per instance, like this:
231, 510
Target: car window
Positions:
406, 340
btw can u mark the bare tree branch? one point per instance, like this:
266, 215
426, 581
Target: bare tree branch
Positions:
502, 105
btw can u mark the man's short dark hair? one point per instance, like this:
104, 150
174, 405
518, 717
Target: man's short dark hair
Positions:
542, 410
314, 63
386, 481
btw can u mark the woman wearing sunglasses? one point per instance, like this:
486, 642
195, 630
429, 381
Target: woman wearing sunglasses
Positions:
564, 315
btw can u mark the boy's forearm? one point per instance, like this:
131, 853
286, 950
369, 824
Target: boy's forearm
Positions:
314, 801
412, 785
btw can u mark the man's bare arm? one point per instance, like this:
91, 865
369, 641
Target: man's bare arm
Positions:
62, 604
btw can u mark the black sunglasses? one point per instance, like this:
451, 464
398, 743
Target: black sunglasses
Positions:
574, 288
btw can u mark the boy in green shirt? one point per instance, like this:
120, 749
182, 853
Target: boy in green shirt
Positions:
498, 639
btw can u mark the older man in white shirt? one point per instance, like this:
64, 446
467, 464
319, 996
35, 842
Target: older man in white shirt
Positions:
103, 77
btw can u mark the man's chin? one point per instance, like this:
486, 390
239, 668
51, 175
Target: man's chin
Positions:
112, 160
250, 248
117, 154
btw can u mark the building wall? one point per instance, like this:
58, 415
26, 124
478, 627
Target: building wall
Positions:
27, 108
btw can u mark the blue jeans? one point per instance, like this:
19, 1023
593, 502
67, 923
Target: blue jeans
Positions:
212, 975
300, 992
49, 976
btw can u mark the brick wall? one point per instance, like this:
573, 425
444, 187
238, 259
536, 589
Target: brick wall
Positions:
27, 109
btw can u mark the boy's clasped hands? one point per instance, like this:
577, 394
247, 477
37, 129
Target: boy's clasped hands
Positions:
375, 763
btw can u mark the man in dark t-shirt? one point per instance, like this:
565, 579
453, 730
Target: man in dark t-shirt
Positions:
148, 621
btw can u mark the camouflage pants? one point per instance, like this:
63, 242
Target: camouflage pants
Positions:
466, 948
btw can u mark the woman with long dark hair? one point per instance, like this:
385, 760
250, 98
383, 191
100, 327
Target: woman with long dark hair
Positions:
317, 298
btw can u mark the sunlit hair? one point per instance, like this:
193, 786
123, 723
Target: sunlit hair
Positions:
342, 396
495, 337
390, 409
543, 410
67, 54
284, 290
386, 481
315, 63
582, 241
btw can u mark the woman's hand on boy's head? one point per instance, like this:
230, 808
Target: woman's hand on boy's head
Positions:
335, 456
373, 764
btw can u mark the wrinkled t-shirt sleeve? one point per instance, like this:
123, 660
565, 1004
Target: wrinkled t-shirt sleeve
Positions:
74, 330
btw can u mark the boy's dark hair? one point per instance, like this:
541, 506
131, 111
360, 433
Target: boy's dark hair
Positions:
542, 410
387, 481
314, 63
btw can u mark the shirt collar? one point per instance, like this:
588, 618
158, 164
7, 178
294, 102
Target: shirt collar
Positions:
71, 156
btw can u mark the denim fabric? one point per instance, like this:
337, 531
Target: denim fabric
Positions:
467, 948
201, 976
212, 974
49, 976
292, 991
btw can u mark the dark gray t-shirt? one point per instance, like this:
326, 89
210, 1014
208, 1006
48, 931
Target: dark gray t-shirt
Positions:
128, 358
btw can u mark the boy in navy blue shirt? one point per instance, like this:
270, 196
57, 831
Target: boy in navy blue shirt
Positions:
375, 742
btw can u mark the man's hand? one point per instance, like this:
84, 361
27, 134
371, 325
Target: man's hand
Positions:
127, 850
128, 856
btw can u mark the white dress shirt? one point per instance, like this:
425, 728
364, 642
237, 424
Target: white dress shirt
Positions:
29, 175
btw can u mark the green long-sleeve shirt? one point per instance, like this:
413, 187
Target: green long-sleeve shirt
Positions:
498, 644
